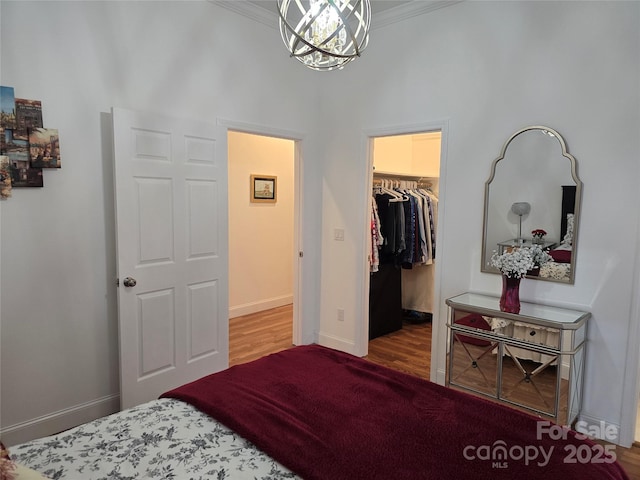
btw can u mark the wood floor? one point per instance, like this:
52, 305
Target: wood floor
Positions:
259, 334
407, 350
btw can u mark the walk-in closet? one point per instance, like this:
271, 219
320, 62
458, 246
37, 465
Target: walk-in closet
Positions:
404, 206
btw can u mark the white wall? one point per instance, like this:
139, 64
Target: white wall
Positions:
488, 69
59, 349
413, 154
260, 234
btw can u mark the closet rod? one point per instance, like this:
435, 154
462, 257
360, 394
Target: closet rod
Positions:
402, 176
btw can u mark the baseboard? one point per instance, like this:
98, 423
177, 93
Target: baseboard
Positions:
600, 429
337, 343
441, 377
259, 306
59, 421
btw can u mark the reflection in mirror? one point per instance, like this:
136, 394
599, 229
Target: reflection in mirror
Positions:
533, 168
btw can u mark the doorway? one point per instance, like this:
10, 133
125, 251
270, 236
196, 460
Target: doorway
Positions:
402, 290
262, 231
636, 437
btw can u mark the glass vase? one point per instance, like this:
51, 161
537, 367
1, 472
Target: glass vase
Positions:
510, 298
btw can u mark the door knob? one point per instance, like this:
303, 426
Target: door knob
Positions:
129, 282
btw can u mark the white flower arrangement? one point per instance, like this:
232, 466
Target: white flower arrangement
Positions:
517, 262
540, 256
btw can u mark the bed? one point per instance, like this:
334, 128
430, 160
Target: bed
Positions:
315, 413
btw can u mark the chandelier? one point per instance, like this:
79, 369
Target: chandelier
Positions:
326, 34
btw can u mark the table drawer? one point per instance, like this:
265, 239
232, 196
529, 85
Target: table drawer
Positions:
525, 332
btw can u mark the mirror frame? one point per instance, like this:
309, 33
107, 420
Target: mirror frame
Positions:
576, 210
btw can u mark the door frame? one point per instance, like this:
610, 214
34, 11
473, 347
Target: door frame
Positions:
631, 385
297, 137
438, 350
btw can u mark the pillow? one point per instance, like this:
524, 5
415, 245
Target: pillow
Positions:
7, 467
9, 470
23, 473
561, 255
473, 320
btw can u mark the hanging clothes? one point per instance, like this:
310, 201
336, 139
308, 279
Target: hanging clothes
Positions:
403, 230
377, 240
392, 226
433, 218
418, 283
407, 224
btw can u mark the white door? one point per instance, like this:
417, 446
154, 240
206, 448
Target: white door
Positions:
172, 242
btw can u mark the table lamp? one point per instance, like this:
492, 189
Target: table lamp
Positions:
520, 209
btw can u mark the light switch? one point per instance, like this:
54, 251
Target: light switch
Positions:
338, 234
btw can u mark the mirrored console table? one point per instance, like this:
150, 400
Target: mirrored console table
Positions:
533, 360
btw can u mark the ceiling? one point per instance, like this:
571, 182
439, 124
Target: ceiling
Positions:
383, 12
377, 6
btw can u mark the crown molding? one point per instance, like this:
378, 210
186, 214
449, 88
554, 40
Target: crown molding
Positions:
392, 15
249, 10
409, 10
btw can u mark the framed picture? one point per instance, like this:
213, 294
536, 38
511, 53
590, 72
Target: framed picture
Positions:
5, 177
263, 189
44, 147
22, 174
7, 107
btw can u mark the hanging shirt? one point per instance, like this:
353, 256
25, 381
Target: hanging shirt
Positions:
376, 237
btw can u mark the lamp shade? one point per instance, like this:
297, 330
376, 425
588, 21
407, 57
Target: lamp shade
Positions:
521, 208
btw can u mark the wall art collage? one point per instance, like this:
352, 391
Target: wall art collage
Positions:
26, 146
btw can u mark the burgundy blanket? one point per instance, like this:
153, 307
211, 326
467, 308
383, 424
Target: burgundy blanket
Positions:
329, 415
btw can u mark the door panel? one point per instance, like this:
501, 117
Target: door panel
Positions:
156, 340
171, 204
203, 338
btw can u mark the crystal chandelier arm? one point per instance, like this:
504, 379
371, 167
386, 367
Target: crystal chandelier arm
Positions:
347, 27
304, 25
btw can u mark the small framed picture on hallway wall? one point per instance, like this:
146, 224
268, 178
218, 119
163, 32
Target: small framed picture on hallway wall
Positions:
264, 189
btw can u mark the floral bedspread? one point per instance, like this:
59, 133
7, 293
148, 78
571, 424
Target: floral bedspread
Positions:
162, 439
557, 271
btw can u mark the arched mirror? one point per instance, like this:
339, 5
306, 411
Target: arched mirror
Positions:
534, 187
